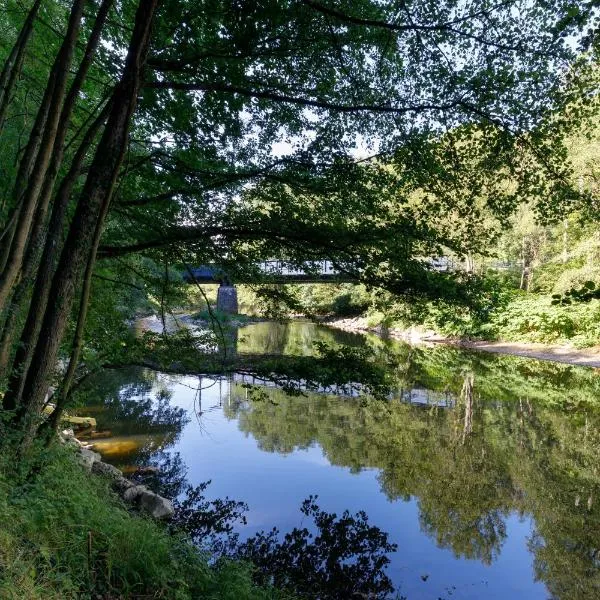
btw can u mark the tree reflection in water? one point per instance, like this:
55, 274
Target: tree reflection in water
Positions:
133, 410
471, 465
484, 437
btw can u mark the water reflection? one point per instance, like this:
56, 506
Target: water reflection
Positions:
498, 455
135, 418
295, 338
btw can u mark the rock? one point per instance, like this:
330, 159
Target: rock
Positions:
156, 506
68, 438
149, 502
81, 422
72, 442
122, 484
103, 468
88, 457
132, 493
148, 469
67, 434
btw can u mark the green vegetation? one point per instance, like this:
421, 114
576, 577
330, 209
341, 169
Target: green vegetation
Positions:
535, 271
517, 316
141, 138
66, 535
138, 146
552, 297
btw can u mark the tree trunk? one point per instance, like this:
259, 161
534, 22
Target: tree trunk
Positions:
469, 263
565, 242
11, 325
523, 264
38, 230
467, 396
25, 204
14, 61
64, 392
23, 173
43, 281
89, 215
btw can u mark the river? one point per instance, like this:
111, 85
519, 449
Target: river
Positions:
483, 469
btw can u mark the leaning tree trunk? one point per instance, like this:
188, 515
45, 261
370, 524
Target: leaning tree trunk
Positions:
23, 173
14, 61
38, 231
38, 228
64, 392
89, 214
25, 204
43, 280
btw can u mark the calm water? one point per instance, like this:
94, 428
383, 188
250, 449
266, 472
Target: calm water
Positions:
483, 469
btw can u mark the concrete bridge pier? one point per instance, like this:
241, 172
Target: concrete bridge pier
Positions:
227, 300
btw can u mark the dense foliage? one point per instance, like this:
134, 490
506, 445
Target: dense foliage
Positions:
368, 134
139, 138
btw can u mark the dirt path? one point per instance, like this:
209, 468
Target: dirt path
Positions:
584, 357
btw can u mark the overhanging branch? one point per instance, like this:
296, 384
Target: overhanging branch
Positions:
313, 102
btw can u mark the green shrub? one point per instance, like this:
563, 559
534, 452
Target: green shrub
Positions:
66, 535
533, 318
519, 317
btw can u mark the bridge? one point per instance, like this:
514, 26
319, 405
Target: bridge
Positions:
278, 271
321, 271
275, 271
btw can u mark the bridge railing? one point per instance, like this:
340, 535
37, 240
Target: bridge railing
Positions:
324, 270
278, 267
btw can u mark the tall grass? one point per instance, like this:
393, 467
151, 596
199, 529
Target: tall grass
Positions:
65, 534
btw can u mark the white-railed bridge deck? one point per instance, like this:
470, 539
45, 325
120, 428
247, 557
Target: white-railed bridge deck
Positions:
278, 271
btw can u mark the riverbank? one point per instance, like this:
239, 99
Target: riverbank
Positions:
66, 534
584, 357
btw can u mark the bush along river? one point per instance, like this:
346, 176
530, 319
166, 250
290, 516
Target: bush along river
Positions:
482, 469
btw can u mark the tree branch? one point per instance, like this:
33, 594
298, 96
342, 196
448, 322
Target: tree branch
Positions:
284, 98
417, 27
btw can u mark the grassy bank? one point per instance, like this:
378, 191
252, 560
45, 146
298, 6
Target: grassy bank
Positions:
65, 535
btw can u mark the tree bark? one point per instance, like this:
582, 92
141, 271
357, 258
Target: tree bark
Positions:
523, 263
38, 230
25, 167
89, 215
26, 203
43, 281
14, 61
64, 392
467, 396
565, 242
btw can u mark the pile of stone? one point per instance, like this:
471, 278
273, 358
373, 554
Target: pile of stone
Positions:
138, 495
